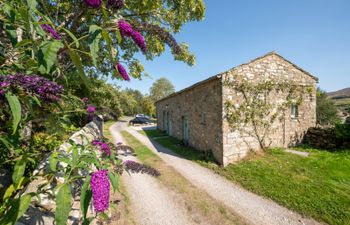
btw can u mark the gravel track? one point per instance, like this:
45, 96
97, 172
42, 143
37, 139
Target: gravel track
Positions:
151, 202
255, 209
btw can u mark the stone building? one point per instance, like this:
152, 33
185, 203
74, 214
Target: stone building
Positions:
196, 115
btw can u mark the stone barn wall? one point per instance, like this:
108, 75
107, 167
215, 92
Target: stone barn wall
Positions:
202, 105
287, 132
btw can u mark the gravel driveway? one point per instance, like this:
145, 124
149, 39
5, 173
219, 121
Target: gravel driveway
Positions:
152, 203
255, 209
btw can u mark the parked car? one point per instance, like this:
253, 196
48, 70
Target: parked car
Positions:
142, 116
139, 120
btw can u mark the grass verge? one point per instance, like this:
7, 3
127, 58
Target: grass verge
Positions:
199, 205
317, 186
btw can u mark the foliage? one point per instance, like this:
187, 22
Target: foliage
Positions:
52, 38
161, 88
72, 43
326, 110
255, 108
71, 169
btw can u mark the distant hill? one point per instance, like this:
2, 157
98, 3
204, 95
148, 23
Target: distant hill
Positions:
343, 93
341, 99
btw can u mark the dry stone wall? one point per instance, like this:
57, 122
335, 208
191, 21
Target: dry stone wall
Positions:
43, 212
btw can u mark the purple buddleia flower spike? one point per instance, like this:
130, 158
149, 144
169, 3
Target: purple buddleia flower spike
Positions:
93, 3
116, 4
138, 39
105, 148
125, 28
122, 72
100, 187
48, 28
85, 99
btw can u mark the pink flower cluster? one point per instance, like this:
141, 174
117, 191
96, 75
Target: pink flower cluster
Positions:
126, 30
122, 72
48, 28
104, 147
41, 87
100, 187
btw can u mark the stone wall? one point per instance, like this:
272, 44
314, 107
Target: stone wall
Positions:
326, 138
202, 106
287, 132
43, 212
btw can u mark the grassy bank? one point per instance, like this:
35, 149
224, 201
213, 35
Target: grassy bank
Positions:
198, 203
317, 186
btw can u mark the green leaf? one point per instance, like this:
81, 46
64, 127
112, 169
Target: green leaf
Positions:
47, 55
94, 40
32, 4
109, 42
36, 100
78, 64
75, 39
9, 191
114, 180
87, 221
63, 204
53, 161
18, 207
85, 196
18, 171
6, 143
16, 110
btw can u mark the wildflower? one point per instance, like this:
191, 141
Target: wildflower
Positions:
96, 142
48, 28
116, 4
85, 99
41, 87
91, 109
93, 3
100, 190
138, 39
125, 28
105, 148
122, 72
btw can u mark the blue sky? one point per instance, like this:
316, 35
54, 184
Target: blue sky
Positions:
314, 34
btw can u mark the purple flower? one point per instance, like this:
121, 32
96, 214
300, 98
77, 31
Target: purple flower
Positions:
91, 109
32, 85
116, 4
48, 28
93, 3
85, 99
105, 148
125, 28
96, 142
122, 72
100, 190
138, 39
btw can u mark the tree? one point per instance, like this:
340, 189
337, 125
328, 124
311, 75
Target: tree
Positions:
161, 88
255, 114
326, 111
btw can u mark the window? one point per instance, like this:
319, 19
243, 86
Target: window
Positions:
294, 111
203, 119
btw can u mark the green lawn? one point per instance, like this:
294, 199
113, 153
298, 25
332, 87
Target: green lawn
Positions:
317, 186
